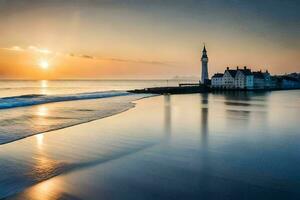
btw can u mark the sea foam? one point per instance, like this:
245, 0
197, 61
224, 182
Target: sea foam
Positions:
36, 99
24, 116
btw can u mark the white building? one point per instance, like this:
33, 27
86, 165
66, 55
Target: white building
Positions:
233, 79
217, 80
228, 81
244, 79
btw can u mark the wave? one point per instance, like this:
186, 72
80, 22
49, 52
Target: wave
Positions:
36, 99
61, 112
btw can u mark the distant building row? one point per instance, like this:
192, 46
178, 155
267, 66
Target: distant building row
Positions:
245, 79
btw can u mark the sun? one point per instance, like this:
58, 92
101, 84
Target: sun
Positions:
44, 64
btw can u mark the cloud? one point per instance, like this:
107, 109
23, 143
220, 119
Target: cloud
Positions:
84, 56
14, 48
29, 48
39, 50
138, 61
36, 49
81, 56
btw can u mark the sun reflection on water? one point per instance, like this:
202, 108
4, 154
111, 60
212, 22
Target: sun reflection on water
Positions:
44, 168
39, 140
44, 86
47, 190
41, 119
42, 111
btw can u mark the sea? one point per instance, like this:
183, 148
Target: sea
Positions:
22, 103
91, 139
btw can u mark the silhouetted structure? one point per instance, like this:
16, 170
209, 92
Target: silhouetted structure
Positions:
204, 60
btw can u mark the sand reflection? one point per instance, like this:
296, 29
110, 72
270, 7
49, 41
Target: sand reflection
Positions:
44, 167
41, 118
42, 111
167, 116
204, 118
47, 190
39, 140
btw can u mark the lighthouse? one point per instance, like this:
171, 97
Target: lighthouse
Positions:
204, 60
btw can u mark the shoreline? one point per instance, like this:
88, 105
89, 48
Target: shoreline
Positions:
133, 104
5, 143
199, 89
78, 164
142, 91
145, 151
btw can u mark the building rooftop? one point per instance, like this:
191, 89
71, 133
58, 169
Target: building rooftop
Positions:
289, 78
217, 75
246, 71
258, 75
232, 72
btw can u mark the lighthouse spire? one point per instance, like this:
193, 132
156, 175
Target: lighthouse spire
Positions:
204, 49
204, 60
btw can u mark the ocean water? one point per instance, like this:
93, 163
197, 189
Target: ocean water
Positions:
240, 145
26, 109
58, 87
24, 120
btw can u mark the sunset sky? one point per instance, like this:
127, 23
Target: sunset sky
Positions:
120, 39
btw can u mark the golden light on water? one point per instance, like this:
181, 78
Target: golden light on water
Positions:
44, 86
46, 190
42, 111
44, 83
40, 140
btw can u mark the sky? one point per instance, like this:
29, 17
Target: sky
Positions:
145, 39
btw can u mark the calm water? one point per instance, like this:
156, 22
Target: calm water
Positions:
16, 88
198, 146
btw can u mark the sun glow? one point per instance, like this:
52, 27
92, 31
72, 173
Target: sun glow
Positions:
44, 64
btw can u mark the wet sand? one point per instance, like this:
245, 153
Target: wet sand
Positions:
234, 146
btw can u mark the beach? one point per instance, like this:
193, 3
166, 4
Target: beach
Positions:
149, 100
213, 146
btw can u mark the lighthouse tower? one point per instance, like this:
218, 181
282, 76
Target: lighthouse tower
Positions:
204, 59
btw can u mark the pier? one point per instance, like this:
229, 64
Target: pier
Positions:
181, 89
